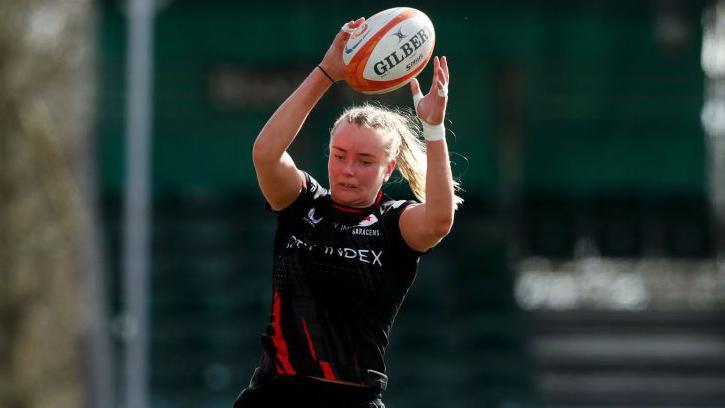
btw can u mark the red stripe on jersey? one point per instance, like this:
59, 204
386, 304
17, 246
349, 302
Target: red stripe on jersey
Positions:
279, 342
324, 365
327, 370
309, 340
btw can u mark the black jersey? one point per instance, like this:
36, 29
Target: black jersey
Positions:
339, 277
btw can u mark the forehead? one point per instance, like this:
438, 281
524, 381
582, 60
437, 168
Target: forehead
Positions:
358, 139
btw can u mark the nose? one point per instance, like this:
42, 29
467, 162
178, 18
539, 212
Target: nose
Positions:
348, 168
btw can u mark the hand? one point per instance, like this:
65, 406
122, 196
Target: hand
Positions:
332, 61
431, 108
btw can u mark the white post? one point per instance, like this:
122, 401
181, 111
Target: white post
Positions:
713, 114
137, 217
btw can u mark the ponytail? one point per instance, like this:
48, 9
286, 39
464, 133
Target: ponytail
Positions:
411, 157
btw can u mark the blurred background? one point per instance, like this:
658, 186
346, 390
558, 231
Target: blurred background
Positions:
586, 267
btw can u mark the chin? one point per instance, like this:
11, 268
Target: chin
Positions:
347, 199
344, 199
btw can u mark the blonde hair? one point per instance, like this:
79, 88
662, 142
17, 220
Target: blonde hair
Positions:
403, 144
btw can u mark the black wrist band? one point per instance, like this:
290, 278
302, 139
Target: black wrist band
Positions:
326, 74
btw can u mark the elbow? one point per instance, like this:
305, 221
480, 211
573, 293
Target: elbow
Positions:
440, 222
260, 153
442, 227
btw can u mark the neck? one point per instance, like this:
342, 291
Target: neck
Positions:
355, 207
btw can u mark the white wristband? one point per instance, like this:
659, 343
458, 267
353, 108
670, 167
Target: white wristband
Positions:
433, 133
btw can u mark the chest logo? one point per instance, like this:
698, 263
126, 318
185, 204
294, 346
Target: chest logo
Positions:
311, 217
368, 221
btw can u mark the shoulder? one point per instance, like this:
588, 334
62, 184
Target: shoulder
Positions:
312, 188
391, 211
311, 192
391, 208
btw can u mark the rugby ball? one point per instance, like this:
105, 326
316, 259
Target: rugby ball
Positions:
388, 50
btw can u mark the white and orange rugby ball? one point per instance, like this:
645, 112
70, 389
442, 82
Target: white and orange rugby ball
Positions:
388, 50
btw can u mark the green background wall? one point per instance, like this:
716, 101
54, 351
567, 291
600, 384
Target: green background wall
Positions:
603, 105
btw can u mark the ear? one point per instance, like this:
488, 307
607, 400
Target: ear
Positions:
389, 169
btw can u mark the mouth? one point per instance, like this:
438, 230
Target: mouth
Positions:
347, 186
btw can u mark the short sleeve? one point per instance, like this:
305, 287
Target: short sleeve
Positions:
311, 191
393, 211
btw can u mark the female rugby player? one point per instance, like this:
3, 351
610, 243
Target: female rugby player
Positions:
345, 256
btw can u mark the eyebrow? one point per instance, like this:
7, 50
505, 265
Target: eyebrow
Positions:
359, 154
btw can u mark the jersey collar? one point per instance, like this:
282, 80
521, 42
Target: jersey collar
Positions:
354, 210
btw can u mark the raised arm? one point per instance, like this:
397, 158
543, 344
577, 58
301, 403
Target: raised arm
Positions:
277, 175
424, 225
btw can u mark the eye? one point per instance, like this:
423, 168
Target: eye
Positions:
339, 156
366, 162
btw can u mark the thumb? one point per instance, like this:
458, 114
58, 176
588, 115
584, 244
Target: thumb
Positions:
414, 86
415, 90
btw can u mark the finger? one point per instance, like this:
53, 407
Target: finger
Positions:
347, 27
446, 73
414, 86
436, 65
415, 90
352, 25
341, 38
442, 76
438, 79
442, 89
